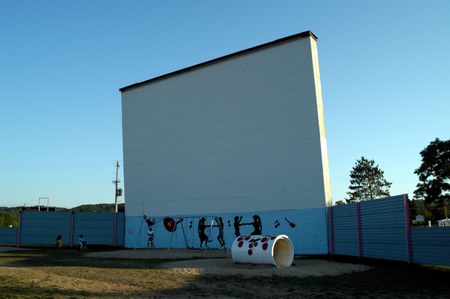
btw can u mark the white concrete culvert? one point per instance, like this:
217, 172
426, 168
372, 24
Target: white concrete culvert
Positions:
272, 250
219, 262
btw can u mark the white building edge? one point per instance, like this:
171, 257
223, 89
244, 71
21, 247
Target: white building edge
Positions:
236, 137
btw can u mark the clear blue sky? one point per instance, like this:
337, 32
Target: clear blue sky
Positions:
385, 68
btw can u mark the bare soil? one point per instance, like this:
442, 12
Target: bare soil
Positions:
96, 273
219, 262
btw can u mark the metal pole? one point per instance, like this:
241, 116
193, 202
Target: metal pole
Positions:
116, 183
331, 221
115, 229
407, 228
19, 229
359, 227
72, 227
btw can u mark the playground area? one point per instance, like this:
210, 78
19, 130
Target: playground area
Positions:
44, 272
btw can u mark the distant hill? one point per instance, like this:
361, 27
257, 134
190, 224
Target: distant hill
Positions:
101, 207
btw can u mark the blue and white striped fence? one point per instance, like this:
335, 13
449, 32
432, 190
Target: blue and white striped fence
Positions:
41, 228
381, 229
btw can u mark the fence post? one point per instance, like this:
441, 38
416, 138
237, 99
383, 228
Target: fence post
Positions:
19, 229
72, 227
359, 226
331, 223
115, 229
407, 227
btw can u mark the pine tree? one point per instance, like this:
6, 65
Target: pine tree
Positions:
434, 173
367, 182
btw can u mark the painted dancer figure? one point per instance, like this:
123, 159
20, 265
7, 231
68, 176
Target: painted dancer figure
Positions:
237, 224
219, 221
256, 225
201, 232
150, 236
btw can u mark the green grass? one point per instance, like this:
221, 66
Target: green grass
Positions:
43, 273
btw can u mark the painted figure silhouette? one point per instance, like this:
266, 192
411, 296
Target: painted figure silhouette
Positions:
220, 235
201, 232
257, 225
237, 224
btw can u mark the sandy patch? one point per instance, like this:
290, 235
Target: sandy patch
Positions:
161, 254
300, 268
219, 262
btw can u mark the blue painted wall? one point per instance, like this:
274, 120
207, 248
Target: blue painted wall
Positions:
8, 235
41, 228
98, 228
345, 230
309, 235
382, 229
431, 245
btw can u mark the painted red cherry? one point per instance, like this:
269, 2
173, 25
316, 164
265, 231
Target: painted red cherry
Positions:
264, 240
264, 246
240, 244
250, 245
250, 252
256, 244
240, 239
273, 238
247, 238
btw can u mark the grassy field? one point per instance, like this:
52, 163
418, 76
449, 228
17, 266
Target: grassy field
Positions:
44, 273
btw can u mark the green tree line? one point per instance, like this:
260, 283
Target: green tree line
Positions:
10, 216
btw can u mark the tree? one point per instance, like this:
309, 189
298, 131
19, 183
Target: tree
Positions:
434, 173
367, 181
8, 219
340, 203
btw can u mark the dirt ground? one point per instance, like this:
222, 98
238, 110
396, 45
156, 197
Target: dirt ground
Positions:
44, 273
11, 248
219, 262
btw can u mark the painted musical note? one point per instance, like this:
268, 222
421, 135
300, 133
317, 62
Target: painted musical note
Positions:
277, 223
290, 223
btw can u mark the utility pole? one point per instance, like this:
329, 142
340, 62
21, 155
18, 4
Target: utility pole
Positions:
118, 192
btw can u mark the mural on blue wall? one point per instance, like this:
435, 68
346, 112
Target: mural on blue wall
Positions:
277, 223
201, 232
291, 224
209, 229
171, 226
150, 233
237, 224
257, 225
219, 222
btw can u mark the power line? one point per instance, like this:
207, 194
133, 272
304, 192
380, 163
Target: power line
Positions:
56, 165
